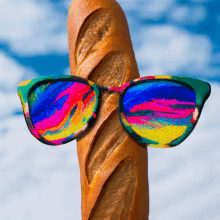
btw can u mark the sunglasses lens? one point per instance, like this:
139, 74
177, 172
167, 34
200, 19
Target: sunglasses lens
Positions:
159, 111
61, 110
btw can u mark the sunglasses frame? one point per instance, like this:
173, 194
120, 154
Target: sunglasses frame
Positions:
201, 88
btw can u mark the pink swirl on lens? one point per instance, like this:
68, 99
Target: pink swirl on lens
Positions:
164, 108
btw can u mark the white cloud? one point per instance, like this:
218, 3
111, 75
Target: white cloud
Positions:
9, 103
32, 28
38, 181
166, 49
12, 72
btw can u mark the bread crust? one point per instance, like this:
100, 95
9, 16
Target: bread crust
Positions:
113, 167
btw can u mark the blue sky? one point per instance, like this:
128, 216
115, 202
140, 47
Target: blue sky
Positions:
170, 37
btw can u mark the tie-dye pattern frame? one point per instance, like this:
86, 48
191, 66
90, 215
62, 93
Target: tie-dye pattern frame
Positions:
202, 91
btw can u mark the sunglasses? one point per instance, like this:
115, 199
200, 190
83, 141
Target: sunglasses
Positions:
158, 111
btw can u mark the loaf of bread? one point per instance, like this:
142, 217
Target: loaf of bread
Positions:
113, 167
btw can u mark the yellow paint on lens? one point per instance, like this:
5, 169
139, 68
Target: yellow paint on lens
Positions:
162, 135
75, 123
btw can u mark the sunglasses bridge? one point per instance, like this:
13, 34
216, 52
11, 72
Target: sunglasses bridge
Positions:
115, 89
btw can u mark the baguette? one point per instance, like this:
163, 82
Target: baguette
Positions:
113, 167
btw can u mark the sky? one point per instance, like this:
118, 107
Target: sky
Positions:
170, 37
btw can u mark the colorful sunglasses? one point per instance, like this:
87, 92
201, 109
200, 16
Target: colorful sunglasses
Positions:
158, 111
